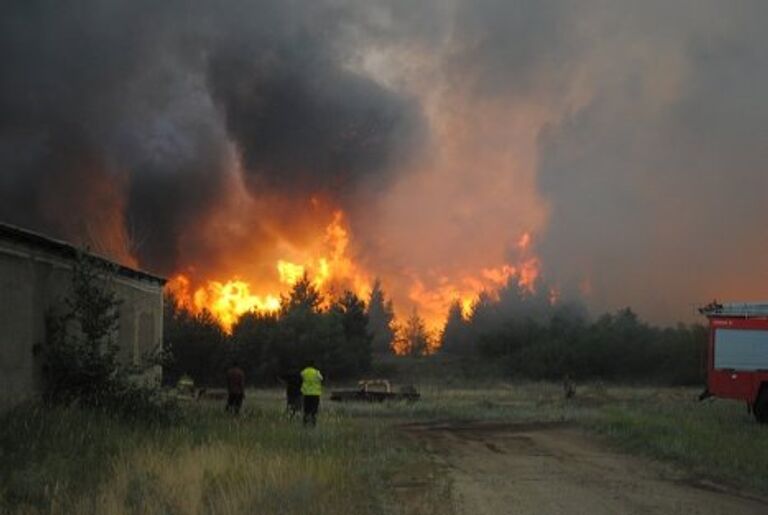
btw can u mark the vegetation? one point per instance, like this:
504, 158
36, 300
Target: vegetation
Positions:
335, 335
414, 338
81, 360
528, 337
381, 316
69, 460
516, 333
73, 460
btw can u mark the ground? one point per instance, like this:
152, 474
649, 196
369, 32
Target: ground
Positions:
555, 468
497, 448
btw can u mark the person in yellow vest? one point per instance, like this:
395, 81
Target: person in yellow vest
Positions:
311, 389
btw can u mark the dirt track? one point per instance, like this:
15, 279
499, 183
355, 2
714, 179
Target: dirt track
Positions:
556, 469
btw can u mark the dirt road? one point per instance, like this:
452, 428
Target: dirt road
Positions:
556, 469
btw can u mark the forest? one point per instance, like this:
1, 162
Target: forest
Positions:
521, 333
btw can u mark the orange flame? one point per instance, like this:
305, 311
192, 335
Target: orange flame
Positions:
332, 269
434, 302
229, 300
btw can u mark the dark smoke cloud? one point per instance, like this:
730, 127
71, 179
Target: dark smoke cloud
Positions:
160, 99
304, 124
634, 132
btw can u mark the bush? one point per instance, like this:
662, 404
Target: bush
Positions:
80, 353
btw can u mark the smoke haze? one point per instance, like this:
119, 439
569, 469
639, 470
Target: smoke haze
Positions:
630, 139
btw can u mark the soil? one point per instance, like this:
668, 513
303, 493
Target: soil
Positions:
555, 468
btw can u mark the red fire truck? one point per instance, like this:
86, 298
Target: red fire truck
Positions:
737, 360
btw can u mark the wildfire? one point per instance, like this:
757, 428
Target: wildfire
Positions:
434, 302
332, 269
228, 300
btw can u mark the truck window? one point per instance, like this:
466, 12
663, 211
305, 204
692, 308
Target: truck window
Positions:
741, 349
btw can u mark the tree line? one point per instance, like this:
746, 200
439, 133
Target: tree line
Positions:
521, 333
529, 336
340, 336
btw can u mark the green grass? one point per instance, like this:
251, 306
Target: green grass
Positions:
355, 461
74, 461
715, 439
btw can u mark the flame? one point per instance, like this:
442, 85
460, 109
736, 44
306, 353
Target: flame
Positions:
434, 302
228, 300
328, 262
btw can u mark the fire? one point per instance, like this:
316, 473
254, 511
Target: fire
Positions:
289, 272
434, 302
331, 268
330, 271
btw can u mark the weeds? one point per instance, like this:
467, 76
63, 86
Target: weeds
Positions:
72, 460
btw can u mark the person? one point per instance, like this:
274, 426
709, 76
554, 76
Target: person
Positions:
292, 381
311, 389
235, 388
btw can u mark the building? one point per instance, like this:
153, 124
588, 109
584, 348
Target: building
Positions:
35, 278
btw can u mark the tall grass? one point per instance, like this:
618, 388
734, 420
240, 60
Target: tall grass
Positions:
75, 461
715, 439
64, 461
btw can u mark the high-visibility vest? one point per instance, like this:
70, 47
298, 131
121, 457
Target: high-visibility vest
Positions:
311, 381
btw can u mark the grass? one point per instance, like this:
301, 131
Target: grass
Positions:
715, 439
355, 461
74, 461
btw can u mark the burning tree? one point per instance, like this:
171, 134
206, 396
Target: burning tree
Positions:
380, 320
414, 339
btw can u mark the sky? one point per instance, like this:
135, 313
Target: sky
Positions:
629, 139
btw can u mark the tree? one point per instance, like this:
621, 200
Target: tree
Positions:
197, 345
303, 297
414, 336
357, 338
455, 336
80, 354
253, 345
80, 351
380, 320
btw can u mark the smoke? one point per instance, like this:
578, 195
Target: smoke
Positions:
629, 138
657, 181
171, 103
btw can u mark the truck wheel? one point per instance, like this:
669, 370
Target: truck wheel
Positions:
760, 408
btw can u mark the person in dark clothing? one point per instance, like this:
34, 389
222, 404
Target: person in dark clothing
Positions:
235, 388
292, 382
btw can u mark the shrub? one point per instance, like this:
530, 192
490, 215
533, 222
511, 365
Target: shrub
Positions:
80, 353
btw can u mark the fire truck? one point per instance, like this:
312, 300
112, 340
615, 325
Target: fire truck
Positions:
737, 354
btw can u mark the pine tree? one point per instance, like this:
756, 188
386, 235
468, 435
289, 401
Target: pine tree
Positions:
357, 338
415, 335
304, 296
455, 336
380, 319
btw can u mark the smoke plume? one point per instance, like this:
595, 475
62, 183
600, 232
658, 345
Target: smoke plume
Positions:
629, 139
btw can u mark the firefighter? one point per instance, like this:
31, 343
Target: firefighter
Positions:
311, 388
292, 381
235, 388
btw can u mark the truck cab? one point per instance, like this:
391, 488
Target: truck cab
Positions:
737, 354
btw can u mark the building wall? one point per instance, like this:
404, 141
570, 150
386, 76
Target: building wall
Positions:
33, 282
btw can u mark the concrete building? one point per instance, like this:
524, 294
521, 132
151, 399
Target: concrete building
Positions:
35, 277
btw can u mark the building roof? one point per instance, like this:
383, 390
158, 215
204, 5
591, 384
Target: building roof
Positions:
67, 250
